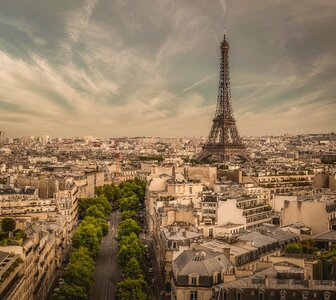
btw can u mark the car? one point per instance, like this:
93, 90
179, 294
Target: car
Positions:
150, 270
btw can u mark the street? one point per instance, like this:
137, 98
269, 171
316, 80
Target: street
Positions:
151, 269
107, 272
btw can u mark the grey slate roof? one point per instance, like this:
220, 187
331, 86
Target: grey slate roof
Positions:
327, 236
3, 255
276, 233
258, 239
203, 263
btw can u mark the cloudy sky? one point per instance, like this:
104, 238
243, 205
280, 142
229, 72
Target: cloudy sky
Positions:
150, 67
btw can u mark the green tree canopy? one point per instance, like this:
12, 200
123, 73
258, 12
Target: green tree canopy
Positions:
293, 248
305, 246
88, 236
79, 274
84, 204
71, 292
127, 227
19, 234
133, 269
101, 224
129, 203
132, 289
8, 224
96, 211
130, 186
110, 191
130, 247
128, 214
82, 256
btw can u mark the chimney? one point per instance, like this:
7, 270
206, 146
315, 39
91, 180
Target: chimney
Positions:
226, 252
185, 173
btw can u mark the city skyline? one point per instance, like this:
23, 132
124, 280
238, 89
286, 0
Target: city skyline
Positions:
115, 68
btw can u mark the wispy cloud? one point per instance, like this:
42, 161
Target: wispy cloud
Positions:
113, 68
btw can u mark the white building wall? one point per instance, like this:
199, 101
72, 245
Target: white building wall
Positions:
228, 212
311, 214
278, 202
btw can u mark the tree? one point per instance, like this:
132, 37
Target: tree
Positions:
133, 269
101, 225
293, 248
130, 247
127, 227
19, 234
84, 204
96, 211
130, 186
8, 224
82, 256
129, 203
308, 246
110, 191
128, 214
132, 289
79, 275
87, 235
71, 292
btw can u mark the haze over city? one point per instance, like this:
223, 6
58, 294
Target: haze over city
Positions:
150, 68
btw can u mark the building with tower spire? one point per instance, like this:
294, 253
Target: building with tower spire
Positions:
224, 140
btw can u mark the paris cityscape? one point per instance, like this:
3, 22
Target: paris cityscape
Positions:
181, 150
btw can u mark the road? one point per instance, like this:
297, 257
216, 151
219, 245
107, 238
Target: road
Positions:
107, 272
153, 278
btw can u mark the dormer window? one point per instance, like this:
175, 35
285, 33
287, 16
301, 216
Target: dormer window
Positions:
193, 279
215, 278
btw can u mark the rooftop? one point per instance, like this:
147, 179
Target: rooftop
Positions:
203, 263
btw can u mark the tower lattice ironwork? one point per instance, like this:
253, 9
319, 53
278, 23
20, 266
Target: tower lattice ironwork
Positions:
224, 140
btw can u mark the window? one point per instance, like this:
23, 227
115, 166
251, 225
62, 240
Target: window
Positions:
239, 260
283, 295
239, 295
193, 280
210, 232
261, 295
190, 190
215, 278
193, 295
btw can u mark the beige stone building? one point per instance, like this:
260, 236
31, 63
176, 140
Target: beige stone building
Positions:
12, 279
316, 212
195, 273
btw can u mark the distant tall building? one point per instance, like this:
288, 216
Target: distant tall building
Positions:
2, 138
224, 140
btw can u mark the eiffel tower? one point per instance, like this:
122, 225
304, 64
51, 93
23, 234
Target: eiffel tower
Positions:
224, 141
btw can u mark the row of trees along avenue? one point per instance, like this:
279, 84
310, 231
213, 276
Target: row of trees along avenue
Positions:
78, 276
93, 212
129, 196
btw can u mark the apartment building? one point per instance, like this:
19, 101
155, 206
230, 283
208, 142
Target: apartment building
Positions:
218, 210
317, 212
195, 273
